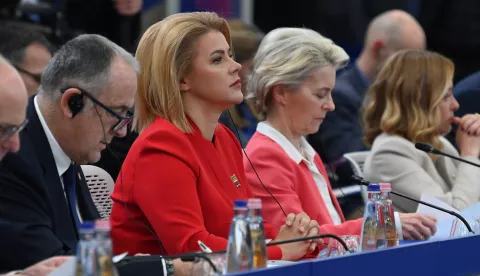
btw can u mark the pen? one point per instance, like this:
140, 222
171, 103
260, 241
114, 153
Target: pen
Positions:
204, 248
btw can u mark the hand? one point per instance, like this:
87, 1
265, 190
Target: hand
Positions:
468, 134
297, 226
45, 267
184, 268
417, 227
128, 7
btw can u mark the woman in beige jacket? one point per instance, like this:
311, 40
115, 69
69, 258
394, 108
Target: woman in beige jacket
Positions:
412, 101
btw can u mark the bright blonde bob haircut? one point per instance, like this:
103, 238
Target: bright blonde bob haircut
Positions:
404, 98
165, 53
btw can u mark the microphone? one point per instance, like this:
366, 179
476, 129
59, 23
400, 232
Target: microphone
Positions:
429, 149
361, 181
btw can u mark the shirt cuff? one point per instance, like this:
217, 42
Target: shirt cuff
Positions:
16, 272
398, 226
164, 265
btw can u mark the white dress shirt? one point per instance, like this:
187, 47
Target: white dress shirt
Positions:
62, 161
308, 159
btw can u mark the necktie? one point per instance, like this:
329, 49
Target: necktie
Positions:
70, 181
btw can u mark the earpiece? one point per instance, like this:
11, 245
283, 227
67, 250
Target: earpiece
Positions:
75, 103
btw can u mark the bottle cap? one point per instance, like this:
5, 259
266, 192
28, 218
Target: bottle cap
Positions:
373, 188
86, 226
240, 204
254, 203
102, 225
387, 187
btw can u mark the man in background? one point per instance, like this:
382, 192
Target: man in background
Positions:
27, 49
341, 132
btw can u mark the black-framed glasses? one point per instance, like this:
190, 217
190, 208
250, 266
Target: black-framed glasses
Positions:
7, 131
122, 120
36, 77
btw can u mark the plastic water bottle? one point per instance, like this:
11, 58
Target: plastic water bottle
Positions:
239, 249
373, 230
257, 231
388, 214
104, 252
85, 250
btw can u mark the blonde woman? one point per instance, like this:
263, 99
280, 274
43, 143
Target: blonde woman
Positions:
412, 101
293, 77
181, 176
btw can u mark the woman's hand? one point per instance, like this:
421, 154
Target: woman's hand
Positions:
298, 226
468, 134
417, 227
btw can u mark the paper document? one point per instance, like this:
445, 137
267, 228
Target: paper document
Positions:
429, 211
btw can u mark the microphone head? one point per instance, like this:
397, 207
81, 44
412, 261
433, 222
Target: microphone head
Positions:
425, 147
359, 180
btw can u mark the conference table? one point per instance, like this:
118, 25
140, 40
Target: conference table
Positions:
458, 256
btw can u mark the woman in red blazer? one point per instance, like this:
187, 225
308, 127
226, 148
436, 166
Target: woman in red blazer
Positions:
292, 80
181, 176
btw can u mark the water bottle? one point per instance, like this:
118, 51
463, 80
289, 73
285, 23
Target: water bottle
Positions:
85, 254
104, 252
239, 248
257, 231
388, 214
373, 230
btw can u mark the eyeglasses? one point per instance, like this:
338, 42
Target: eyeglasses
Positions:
36, 77
7, 131
122, 120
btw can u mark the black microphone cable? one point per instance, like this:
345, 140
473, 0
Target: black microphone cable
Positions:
253, 167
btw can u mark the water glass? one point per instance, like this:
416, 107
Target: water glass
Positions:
460, 230
203, 268
335, 248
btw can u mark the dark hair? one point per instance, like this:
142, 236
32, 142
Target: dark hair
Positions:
15, 37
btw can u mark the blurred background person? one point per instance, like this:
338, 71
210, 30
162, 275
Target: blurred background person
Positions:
13, 107
294, 74
245, 41
27, 49
341, 132
412, 101
189, 197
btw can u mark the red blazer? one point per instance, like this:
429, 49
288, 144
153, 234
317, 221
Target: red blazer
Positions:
179, 186
292, 185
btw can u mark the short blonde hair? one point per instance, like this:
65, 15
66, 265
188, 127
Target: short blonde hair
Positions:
165, 53
404, 98
288, 56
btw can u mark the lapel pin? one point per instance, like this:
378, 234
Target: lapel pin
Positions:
235, 181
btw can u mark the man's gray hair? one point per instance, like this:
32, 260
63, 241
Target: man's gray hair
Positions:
288, 56
84, 62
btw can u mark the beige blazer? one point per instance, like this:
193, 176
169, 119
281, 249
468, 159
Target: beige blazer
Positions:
412, 172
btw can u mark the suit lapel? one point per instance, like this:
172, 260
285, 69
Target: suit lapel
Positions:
61, 219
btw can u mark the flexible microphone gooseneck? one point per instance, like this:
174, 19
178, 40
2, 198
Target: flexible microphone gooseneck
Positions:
361, 181
429, 149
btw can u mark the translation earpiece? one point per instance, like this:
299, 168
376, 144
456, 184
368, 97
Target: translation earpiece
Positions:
75, 103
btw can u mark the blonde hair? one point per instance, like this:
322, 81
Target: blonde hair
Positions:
288, 56
165, 53
404, 98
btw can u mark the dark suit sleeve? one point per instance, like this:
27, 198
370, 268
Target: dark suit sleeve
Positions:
25, 226
341, 132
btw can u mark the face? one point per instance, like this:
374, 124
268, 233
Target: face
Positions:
36, 59
305, 108
214, 78
13, 106
448, 105
96, 121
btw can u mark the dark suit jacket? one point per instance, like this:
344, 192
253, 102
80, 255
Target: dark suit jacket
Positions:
341, 131
35, 220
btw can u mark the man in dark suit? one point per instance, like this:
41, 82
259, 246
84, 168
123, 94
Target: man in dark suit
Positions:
84, 98
341, 132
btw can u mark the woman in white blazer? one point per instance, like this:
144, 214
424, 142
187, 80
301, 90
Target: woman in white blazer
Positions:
412, 101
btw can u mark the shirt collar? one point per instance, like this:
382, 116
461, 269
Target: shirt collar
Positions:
62, 161
285, 144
